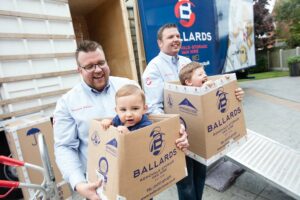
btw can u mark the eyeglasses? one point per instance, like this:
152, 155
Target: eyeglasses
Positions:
92, 67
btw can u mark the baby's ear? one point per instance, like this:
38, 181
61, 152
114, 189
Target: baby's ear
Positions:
188, 82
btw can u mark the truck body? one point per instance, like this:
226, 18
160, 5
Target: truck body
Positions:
218, 34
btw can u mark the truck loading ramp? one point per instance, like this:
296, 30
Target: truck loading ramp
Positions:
276, 163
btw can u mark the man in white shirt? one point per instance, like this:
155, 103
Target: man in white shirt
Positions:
93, 97
163, 68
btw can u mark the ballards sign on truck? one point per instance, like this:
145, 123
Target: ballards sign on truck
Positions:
218, 34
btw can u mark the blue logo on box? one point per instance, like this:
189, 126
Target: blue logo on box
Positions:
111, 147
187, 107
222, 100
33, 132
95, 138
157, 143
103, 168
113, 143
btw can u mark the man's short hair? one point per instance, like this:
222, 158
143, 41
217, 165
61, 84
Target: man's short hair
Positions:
87, 46
162, 28
186, 72
128, 90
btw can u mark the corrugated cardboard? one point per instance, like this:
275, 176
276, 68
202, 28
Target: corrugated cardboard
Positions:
24, 147
138, 165
213, 117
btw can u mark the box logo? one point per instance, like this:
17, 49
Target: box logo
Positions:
187, 107
170, 101
101, 173
157, 146
103, 168
111, 147
95, 138
184, 12
157, 143
33, 132
222, 103
229, 117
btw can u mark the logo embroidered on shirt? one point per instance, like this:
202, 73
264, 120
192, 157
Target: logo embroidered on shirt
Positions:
148, 81
81, 108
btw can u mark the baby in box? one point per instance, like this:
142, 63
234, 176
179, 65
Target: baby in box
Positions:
131, 110
193, 74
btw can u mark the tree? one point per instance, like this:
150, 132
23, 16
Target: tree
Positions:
263, 25
287, 14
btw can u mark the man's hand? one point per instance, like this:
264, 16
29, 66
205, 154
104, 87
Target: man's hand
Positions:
88, 190
105, 123
239, 94
182, 143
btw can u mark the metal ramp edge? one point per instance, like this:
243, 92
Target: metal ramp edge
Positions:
276, 163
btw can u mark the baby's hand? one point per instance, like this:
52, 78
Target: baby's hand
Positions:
105, 123
123, 129
209, 83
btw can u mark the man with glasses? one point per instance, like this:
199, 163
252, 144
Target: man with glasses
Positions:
93, 97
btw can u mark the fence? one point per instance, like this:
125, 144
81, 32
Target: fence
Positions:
277, 60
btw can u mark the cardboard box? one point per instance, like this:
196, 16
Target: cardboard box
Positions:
138, 165
23, 145
213, 117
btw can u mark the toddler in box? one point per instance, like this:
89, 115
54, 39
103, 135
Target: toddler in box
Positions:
131, 115
193, 74
131, 110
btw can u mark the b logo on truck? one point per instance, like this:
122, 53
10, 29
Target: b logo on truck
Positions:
184, 12
157, 143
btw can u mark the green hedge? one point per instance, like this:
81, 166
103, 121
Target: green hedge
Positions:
293, 59
261, 63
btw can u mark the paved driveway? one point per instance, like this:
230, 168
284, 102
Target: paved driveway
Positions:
272, 108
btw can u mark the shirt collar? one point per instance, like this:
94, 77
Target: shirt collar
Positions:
88, 88
171, 59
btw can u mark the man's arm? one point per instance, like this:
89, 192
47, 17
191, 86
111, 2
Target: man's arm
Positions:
66, 145
154, 89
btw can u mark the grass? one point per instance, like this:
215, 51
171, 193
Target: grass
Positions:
265, 75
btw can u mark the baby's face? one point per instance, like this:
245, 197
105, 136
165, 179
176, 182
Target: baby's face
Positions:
198, 78
130, 109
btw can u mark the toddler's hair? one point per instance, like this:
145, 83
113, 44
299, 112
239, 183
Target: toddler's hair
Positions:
130, 89
186, 72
